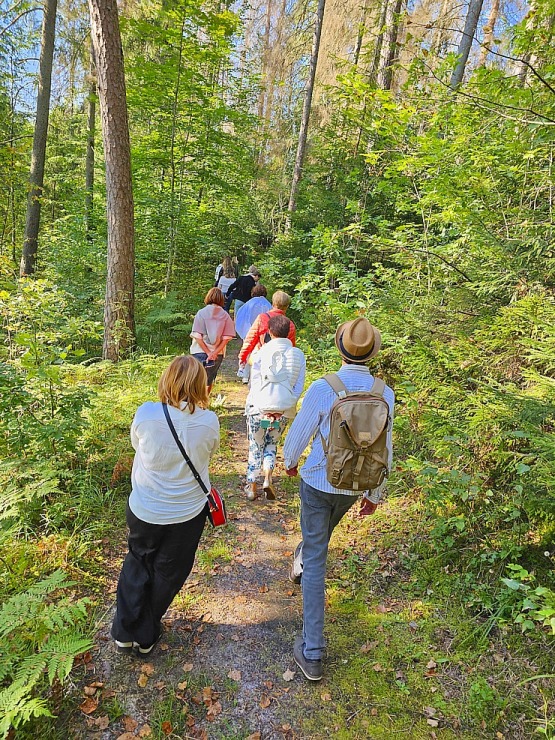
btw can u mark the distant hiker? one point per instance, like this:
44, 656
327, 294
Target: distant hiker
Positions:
258, 333
167, 508
244, 319
322, 504
227, 277
212, 329
278, 374
240, 290
227, 265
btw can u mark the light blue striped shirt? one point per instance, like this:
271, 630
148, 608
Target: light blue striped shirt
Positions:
314, 418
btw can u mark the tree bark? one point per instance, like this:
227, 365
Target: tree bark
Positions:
38, 156
470, 26
119, 325
89, 161
301, 148
489, 32
393, 23
373, 72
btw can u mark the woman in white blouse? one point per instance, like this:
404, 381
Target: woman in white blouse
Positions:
167, 508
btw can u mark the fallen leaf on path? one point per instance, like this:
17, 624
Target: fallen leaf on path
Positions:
167, 728
142, 681
265, 701
288, 553
431, 665
254, 736
374, 712
190, 720
325, 697
269, 684
377, 667
235, 638
102, 722
432, 722
213, 711
369, 646
89, 690
145, 731
382, 609
234, 675
263, 589
182, 686
129, 724
164, 646
89, 705
288, 675
290, 593
148, 669
188, 667
160, 685
285, 728
127, 736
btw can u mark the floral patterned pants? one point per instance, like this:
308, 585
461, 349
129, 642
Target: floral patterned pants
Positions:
262, 446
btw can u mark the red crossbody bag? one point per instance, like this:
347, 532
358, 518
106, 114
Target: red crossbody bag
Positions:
216, 504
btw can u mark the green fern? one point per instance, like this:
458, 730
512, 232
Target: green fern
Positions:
40, 638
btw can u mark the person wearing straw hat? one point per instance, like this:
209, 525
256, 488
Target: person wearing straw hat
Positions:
322, 505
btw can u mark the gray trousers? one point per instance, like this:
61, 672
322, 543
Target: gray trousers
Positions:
320, 513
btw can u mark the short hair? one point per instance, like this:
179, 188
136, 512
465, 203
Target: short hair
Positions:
259, 290
281, 300
279, 326
214, 295
253, 270
184, 380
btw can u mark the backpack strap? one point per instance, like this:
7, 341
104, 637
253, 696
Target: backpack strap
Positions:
378, 388
337, 384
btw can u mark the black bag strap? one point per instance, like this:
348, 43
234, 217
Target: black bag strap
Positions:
182, 450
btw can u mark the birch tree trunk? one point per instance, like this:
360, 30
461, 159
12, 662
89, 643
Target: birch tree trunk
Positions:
489, 32
36, 175
119, 325
393, 23
301, 148
470, 26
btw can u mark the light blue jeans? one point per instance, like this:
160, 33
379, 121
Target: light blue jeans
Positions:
320, 513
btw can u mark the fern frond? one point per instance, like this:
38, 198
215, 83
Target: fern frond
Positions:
16, 708
60, 652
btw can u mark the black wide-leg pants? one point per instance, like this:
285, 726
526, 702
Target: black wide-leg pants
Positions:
159, 560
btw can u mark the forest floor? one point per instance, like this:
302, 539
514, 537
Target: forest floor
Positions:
402, 658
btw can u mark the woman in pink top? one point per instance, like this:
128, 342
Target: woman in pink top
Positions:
213, 328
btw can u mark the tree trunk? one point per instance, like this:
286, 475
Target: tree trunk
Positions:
36, 176
301, 148
119, 325
373, 72
393, 23
470, 26
89, 162
489, 32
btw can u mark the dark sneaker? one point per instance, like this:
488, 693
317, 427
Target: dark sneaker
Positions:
145, 650
124, 647
312, 669
296, 572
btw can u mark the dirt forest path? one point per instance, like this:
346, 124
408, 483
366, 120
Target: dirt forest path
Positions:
224, 668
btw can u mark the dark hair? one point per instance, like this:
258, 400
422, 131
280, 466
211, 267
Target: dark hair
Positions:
279, 326
259, 290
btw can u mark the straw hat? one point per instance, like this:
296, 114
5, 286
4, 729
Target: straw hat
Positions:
358, 340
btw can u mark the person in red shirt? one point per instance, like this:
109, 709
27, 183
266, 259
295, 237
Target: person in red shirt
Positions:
258, 333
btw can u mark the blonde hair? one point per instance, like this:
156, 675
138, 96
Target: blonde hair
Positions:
184, 380
227, 267
281, 300
214, 295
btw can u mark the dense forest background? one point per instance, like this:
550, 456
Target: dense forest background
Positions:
424, 199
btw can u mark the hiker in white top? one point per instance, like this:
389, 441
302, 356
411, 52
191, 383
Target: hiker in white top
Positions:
167, 508
278, 373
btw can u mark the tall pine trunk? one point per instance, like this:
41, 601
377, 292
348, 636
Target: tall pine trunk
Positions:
470, 26
489, 32
119, 325
89, 161
303, 131
393, 23
38, 156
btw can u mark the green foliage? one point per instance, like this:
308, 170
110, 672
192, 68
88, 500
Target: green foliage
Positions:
40, 637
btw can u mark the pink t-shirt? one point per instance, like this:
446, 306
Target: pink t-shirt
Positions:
211, 323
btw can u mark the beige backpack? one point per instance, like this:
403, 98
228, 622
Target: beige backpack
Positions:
357, 456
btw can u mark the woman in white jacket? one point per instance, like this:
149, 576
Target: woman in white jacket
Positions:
277, 380
167, 508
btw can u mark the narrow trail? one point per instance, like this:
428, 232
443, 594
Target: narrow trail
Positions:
219, 670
